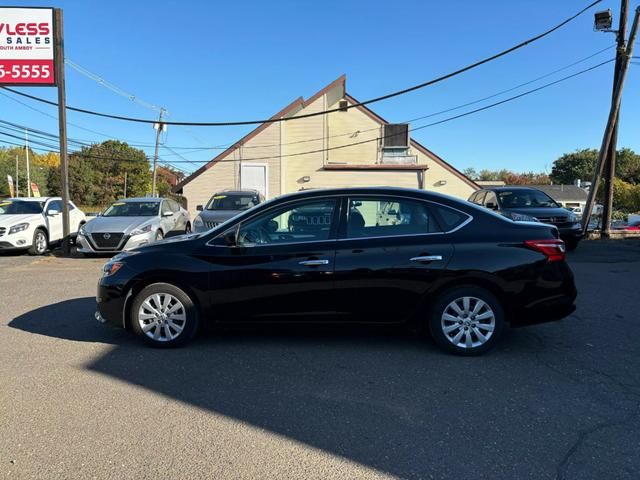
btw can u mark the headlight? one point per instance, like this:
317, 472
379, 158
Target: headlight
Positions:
140, 231
198, 221
111, 267
519, 217
18, 228
82, 230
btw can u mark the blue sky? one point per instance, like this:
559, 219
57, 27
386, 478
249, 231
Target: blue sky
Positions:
210, 61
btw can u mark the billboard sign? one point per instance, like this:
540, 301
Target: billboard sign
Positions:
26, 46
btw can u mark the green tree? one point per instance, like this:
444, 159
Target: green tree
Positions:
580, 165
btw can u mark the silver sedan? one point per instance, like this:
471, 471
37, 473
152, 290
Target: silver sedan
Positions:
131, 223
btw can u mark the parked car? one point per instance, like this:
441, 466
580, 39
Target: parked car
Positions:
223, 206
459, 271
131, 223
35, 223
528, 204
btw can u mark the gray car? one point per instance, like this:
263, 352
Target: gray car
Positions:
224, 206
133, 222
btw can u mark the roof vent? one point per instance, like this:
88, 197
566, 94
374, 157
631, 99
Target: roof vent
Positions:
343, 106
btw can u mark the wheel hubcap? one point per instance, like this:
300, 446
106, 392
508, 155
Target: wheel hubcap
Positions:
468, 322
162, 317
41, 243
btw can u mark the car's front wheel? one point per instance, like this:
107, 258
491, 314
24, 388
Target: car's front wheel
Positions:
40, 242
466, 320
163, 315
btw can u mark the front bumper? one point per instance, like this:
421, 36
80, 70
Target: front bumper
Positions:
85, 245
16, 241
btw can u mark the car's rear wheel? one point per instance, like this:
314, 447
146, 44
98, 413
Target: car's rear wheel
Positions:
40, 242
466, 320
164, 316
159, 235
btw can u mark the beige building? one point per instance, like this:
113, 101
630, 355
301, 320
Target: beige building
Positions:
351, 147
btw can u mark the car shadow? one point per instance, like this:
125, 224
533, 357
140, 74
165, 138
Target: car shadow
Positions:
383, 398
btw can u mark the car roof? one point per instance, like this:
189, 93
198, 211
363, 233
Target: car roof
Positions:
141, 199
249, 191
33, 199
509, 188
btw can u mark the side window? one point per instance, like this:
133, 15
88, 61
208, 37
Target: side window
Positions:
55, 205
479, 198
173, 205
309, 221
491, 199
385, 217
165, 207
448, 217
71, 206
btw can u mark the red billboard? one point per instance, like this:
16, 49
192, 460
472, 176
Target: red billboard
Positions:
26, 46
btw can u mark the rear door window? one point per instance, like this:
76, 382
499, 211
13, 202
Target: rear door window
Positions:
388, 216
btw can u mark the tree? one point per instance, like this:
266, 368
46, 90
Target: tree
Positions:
96, 173
580, 165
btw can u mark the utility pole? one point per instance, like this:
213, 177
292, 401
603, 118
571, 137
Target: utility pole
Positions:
613, 116
62, 129
26, 150
17, 179
610, 168
155, 155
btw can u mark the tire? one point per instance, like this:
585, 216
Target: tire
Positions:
40, 242
571, 244
175, 328
462, 332
187, 228
159, 236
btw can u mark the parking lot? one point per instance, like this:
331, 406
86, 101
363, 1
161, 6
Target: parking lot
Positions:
83, 400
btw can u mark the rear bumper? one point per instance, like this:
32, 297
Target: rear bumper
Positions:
548, 310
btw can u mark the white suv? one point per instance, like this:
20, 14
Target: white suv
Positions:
35, 223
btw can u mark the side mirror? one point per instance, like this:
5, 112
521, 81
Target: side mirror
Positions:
491, 206
53, 212
167, 214
199, 208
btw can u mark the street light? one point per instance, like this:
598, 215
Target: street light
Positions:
603, 20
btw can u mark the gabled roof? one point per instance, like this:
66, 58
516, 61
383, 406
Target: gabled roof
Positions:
301, 103
564, 192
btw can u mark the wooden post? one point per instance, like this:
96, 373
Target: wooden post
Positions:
610, 169
62, 126
613, 116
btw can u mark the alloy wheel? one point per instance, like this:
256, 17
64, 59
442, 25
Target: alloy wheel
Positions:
40, 242
468, 322
162, 317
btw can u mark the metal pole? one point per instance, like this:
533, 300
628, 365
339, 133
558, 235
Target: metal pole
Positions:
17, 179
125, 184
613, 114
26, 150
62, 127
610, 168
155, 155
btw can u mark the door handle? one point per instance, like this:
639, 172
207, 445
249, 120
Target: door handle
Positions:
427, 258
314, 263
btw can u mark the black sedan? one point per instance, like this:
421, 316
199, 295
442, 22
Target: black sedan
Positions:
374, 255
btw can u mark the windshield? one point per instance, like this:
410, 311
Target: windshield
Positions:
17, 207
132, 209
526, 199
232, 201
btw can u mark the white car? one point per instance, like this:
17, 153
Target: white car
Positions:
35, 223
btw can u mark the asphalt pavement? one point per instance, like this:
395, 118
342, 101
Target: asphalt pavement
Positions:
83, 400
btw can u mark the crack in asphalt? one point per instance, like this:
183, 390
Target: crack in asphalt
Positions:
584, 434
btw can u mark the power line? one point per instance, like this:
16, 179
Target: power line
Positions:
448, 119
314, 114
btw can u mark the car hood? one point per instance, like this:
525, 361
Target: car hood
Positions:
219, 216
539, 212
9, 220
116, 224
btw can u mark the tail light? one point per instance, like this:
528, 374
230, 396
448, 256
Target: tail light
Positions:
553, 249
